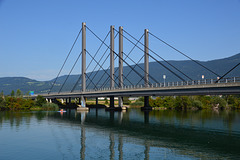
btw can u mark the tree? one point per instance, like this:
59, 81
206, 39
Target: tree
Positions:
106, 100
168, 102
218, 102
19, 93
140, 99
237, 103
40, 101
2, 103
126, 100
12, 93
182, 102
2, 95
197, 104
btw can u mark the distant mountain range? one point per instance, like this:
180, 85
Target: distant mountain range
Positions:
190, 68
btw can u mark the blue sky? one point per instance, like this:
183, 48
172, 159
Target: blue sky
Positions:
35, 36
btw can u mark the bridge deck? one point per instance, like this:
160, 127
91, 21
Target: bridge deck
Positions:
203, 89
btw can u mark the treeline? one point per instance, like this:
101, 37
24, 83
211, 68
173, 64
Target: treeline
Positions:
193, 102
17, 102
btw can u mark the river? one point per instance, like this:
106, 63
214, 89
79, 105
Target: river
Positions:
134, 134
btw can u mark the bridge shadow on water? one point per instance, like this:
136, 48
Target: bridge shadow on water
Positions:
198, 134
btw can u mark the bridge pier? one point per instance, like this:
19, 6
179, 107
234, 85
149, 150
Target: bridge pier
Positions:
83, 106
68, 100
111, 102
83, 101
49, 100
96, 101
62, 101
146, 106
120, 101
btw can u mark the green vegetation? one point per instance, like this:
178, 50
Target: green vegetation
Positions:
17, 102
50, 107
40, 101
196, 102
138, 103
106, 100
126, 100
14, 103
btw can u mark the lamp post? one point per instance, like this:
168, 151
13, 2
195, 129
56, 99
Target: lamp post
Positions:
164, 77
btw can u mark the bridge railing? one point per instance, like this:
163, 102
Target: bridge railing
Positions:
167, 84
172, 84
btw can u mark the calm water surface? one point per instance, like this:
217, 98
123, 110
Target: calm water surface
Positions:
121, 135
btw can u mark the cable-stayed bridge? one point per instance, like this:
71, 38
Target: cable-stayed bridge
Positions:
101, 77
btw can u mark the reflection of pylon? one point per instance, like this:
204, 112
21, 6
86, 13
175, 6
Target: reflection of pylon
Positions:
83, 116
120, 147
111, 147
83, 139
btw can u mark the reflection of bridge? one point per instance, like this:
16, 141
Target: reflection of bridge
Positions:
144, 84
151, 132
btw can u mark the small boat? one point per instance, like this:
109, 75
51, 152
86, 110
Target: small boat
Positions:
61, 110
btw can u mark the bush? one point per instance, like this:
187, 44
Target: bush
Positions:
236, 103
140, 99
106, 100
40, 101
13, 103
218, 102
2, 103
182, 102
137, 104
206, 101
50, 107
197, 104
126, 100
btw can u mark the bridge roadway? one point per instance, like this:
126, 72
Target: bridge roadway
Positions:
174, 90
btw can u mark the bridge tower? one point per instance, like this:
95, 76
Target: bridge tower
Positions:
83, 101
112, 64
146, 69
120, 66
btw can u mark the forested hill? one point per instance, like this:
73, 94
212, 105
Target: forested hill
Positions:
191, 69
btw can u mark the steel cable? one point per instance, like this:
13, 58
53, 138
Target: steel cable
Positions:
157, 60
70, 72
65, 60
183, 54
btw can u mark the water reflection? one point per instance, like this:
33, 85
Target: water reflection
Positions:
111, 145
83, 139
146, 117
180, 131
142, 135
120, 147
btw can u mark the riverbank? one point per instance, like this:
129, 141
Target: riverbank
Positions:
26, 104
158, 103
191, 102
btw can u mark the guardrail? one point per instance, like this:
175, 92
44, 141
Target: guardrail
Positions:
172, 84
231, 80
